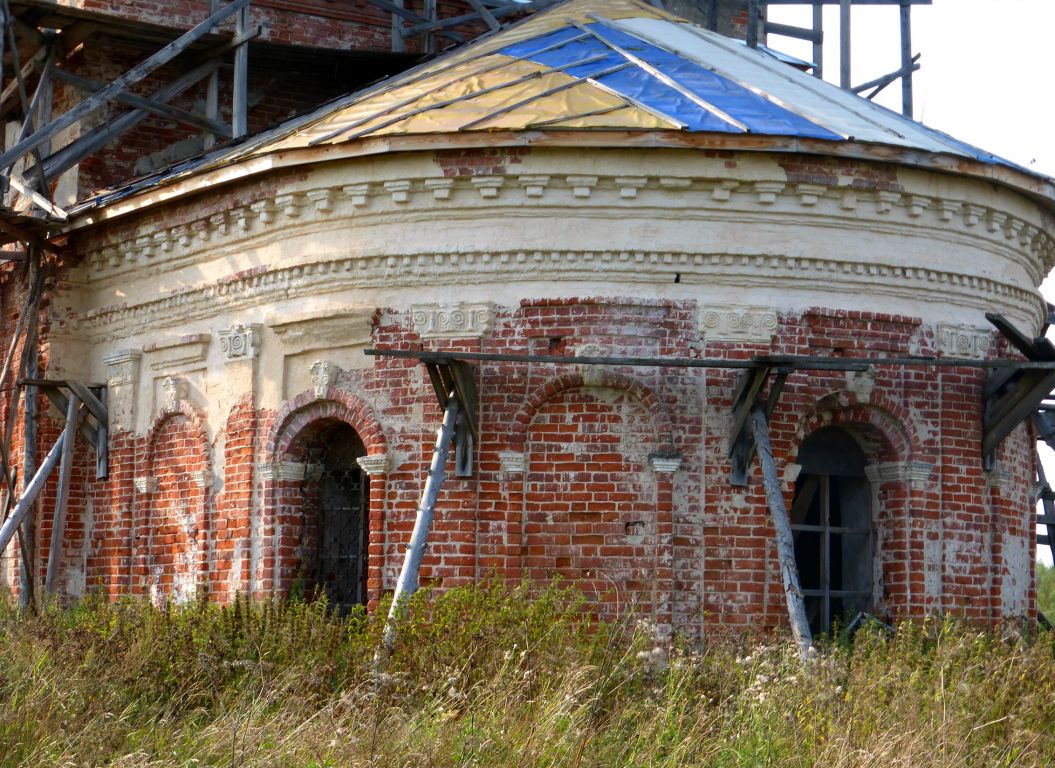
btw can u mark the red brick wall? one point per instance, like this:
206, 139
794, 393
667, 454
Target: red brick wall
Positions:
688, 548
590, 498
174, 515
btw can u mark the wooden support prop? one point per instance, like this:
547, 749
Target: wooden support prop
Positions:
62, 494
38, 199
212, 91
7, 102
61, 402
498, 12
62, 160
907, 59
399, 43
25, 502
752, 23
485, 14
430, 16
42, 86
30, 362
1048, 501
882, 82
818, 45
741, 443
1011, 398
89, 398
407, 584
132, 76
844, 44
102, 441
785, 540
240, 87
150, 105
22, 99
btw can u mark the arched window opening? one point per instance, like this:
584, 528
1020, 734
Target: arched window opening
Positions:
336, 518
831, 519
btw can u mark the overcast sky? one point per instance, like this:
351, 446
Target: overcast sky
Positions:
984, 76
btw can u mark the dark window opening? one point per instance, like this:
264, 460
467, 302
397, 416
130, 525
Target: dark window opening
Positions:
831, 519
339, 493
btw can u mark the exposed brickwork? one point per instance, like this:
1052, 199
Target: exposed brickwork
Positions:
586, 502
174, 515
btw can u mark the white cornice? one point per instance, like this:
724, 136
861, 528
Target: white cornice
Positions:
181, 244
233, 171
475, 268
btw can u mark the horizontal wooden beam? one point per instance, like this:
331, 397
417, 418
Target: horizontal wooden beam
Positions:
789, 362
799, 33
24, 236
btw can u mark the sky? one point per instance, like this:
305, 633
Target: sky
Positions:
983, 78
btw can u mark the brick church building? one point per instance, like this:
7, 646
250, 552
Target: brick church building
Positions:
601, 181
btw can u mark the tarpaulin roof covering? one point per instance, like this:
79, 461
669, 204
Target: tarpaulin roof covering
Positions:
592, 65
611, 64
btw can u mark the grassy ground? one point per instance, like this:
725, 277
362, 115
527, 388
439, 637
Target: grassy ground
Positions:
495, 679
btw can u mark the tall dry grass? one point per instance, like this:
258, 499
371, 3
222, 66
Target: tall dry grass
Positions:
486, 676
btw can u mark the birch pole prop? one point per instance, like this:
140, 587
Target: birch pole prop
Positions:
62, 494
789, 571
408, 576
29, 495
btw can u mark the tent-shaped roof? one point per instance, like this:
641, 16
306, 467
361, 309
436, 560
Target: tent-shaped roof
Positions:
613, 64
604, 66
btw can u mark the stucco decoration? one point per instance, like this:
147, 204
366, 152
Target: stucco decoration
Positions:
997, 479
592, 375
322, 330
241, 341
122, 375
375, 465
512, 462
916, 473
665, 465
323, 376
534, 185
283, 470
453, 321
178, 352
175, 390
145, 484
964, 341
122, 367
757, 324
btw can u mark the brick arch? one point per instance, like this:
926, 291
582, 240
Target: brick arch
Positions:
604, 379
197, 422
608, 531
884, 428
297, 423
886, 432
337, 405
173, 533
